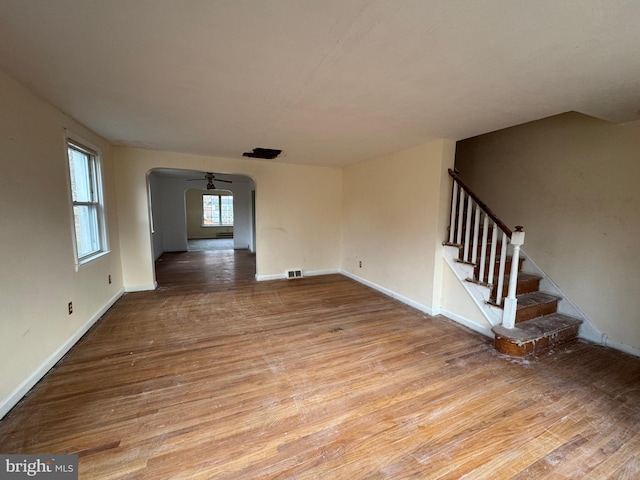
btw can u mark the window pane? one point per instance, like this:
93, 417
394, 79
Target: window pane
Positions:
87, 202
81, 176
226, 203
87, 230
210, 210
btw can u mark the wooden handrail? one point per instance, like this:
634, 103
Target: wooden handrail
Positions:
482, 205
467, 205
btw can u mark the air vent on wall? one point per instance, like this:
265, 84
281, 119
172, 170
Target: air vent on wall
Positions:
266, 153
294, 274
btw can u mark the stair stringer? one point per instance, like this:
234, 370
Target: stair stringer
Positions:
478, 293
588, 330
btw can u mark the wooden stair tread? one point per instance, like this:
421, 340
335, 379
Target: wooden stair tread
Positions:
527, 283
535, 304
537, 327
528, 300
535, 298
524, 276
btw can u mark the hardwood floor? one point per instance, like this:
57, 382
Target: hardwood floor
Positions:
215, 375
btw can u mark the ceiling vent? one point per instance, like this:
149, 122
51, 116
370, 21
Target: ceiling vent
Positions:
266, 153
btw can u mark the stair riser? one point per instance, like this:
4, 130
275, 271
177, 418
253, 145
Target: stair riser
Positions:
524, 286
534, 311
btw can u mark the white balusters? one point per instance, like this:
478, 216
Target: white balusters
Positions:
467, 233
472, 219
454, 209
501, 268
483, 251
476, 232
460, 217
492, 254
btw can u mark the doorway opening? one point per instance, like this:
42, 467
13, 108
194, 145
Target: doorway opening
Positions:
204, 222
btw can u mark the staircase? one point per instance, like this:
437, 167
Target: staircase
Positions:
525, 320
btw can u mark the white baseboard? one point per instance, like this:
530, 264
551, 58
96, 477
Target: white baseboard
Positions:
623, 347
316, 273
392, 294
264, 278
7, 403
467, 323
305, 273
423, 308
386, 291
590, 333
141, 288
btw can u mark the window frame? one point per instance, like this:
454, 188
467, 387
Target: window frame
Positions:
220, 196
95, 203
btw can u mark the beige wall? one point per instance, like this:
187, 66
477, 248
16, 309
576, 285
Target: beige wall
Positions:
394, 220
572, 181
297, 212
193, 204
37, 266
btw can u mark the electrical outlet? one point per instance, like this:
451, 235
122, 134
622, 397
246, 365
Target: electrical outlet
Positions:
109, 279
360, 264
70, 308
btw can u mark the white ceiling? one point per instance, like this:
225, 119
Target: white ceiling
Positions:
331, 82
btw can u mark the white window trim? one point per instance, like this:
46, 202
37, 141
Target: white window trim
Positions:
83, 144
221, 225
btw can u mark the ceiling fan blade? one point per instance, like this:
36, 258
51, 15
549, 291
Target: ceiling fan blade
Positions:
209, 177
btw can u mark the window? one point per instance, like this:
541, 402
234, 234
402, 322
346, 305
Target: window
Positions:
86, 196
217, 210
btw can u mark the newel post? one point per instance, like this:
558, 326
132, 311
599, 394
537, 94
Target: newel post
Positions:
510, 302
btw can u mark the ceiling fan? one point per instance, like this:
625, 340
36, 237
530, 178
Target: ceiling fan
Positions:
210, 177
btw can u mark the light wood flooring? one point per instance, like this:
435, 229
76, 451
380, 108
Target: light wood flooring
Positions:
215, 375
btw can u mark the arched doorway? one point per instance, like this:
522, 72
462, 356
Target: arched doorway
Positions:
178, 208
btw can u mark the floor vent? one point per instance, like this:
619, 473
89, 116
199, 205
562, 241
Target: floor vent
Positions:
294, 274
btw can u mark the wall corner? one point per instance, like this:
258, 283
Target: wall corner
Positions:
447, 161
